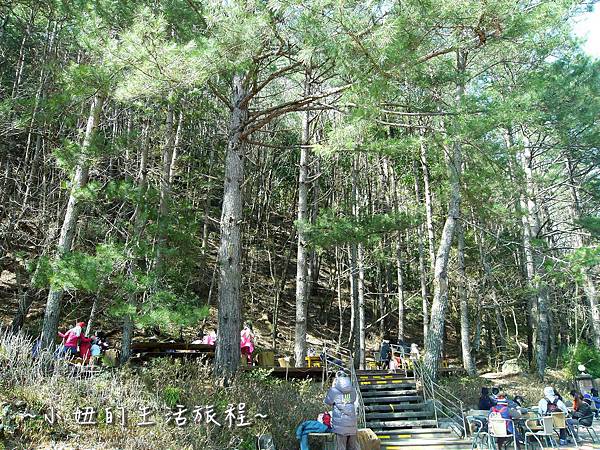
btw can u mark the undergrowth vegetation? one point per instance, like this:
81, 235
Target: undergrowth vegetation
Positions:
32, 389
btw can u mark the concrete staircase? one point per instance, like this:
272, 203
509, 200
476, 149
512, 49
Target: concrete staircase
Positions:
396, 411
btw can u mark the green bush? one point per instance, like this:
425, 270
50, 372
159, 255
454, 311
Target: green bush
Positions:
171, 396
582, 353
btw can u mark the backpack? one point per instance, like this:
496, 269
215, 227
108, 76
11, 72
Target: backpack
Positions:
552, 406
325, 419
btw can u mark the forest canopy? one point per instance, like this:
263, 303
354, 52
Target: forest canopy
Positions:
431, 169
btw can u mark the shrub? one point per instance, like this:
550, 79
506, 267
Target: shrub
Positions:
584, 354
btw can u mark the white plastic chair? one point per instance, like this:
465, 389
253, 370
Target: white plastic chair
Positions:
498, 428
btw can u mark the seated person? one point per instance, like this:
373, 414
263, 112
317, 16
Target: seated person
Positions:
95, 350
595, 400
485, 401
210, 338
582, 411
495, 392
331, 360
551, 403
517, 403
485, 404
501, 409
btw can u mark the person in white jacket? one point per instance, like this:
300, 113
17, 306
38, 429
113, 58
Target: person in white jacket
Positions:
549, 404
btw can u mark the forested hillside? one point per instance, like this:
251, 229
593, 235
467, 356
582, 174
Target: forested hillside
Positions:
425, 170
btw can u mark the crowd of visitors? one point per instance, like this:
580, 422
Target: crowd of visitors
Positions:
513, 411
393, 357
74, 343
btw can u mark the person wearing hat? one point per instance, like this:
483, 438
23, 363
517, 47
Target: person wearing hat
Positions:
342, 396
501, 409
552, 403
70, 340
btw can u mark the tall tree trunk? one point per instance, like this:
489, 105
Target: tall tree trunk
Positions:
338, 273
314, 266
361, 306
589, 286
227, 357
165, 189
399, 274
468, 362
138, 226
302, 283
537, 271
434, 341
428, 206
206, 219
67, 232
93, 313
422, 265
381, 299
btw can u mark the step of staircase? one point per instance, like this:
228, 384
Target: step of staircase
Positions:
429, 444
400, 385
397, 415
388, 382
388, 393
415, 433
392, 399
360, 373
399, 424
385, 376
394, 407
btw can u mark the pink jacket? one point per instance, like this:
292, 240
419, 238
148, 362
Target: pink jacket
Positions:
246, 340
71, 337
208, 339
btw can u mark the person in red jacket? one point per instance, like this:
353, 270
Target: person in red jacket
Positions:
85, 347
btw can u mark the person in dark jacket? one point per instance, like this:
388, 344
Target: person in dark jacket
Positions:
385, 354
342, 396
595, 402
485, 401
583, 412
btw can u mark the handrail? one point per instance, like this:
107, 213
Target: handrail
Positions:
334, 360
362, 420
444, 403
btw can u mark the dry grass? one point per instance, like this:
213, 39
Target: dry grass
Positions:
32, 386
